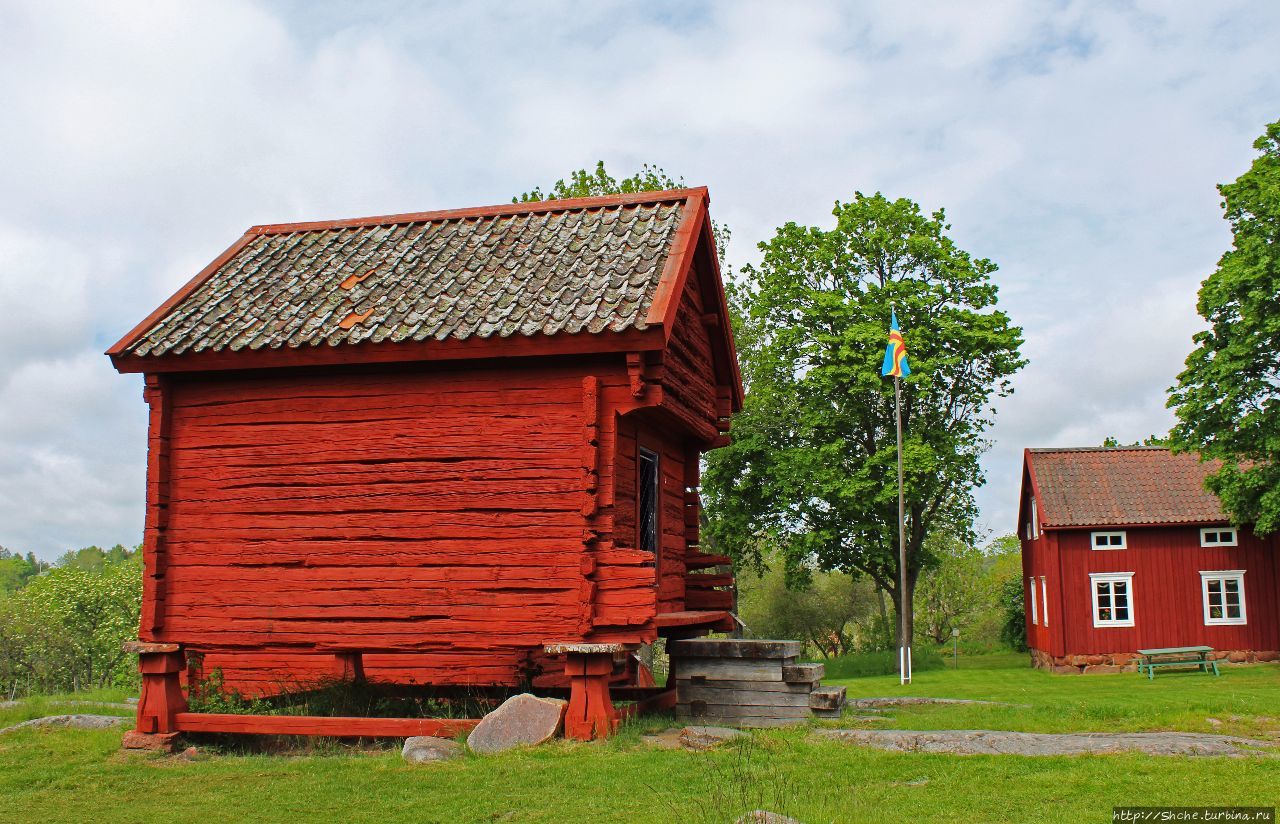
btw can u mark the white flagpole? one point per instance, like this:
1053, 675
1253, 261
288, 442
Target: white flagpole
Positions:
904, 642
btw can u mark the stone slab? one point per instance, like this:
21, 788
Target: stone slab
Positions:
827, 698
711, 693
992, 742
699, 709
75, 721
152, 742
799, 673
765, 817
585, 649
521, 720
799, 687
749, 721
720, 669
910, 700
706, 737
734, 648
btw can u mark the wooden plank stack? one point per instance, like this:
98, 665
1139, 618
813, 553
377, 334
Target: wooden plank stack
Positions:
749, 683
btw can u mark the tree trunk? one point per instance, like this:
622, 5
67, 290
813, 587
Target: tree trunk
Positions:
884, 614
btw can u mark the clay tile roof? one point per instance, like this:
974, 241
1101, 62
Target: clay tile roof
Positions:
574, 266
1125, 486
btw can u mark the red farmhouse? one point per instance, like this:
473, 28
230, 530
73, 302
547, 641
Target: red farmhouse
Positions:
428, 445
1123, 549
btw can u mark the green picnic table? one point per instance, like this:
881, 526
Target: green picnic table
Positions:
1176, 657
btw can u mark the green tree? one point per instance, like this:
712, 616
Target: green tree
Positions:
813, 459
1227, 400
598, 182
64, 630
820, 609
16, 570
953, 589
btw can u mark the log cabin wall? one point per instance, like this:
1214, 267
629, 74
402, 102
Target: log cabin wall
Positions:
433, 511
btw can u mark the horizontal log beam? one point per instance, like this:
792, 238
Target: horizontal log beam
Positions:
335, 727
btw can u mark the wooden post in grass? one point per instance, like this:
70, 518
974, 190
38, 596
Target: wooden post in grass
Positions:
161, 698
590, 713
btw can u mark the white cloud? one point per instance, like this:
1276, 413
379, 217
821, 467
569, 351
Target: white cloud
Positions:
1076, 144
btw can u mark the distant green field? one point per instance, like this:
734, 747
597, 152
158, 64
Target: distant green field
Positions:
68, 775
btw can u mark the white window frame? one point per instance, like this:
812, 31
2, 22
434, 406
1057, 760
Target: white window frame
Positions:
1217, 531
1096, 578
1044, 598
1035, 520
1124, 540
1031, 584
1224, 575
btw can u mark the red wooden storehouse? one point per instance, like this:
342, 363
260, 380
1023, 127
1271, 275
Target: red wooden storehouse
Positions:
1124, 549
425, 447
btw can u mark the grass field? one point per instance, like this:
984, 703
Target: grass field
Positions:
69, 775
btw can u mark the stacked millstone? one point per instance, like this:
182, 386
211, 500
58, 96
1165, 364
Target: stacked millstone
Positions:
749, 683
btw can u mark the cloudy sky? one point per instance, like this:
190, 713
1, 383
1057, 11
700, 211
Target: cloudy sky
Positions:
1076, 144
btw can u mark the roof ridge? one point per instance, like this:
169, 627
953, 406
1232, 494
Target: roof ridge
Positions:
1143, 448
497, 210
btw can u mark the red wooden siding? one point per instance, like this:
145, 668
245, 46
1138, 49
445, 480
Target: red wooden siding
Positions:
1167, 599
431, 511
1168, 606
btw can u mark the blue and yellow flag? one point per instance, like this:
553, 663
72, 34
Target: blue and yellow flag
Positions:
895, 354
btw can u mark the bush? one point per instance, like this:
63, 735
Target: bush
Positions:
884, 662
63, 631
1014, 630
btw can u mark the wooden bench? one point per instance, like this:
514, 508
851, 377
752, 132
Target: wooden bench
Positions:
1176, 657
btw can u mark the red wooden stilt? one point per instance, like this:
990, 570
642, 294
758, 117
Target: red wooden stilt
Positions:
161, 698
590, 713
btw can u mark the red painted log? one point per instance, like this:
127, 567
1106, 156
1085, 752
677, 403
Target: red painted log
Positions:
335, 727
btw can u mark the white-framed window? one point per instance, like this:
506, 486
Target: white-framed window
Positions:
1044, 598
1112, 598
1031, 585
1223, 592
1108, 540
1033, 522
1218, 536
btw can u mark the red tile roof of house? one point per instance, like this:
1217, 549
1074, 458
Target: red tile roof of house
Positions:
585, 266
1125, 486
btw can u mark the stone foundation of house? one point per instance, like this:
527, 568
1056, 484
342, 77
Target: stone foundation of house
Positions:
1128, 661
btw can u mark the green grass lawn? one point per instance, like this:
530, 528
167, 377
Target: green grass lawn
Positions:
69, 775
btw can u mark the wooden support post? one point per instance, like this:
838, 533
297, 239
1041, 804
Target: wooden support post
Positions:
161, 698
590, 713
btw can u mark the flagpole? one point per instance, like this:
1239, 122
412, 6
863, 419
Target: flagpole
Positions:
904, 642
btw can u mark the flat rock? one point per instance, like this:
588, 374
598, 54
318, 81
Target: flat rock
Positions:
990, 742
668, 739
705, 738
154, 742
425, 749
521, 720
765, 817
78, 722
909, 700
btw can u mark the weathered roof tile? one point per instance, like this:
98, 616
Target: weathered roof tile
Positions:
590, 268
1122, 487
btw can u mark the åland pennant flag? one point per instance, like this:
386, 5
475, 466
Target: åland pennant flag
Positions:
895, 354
